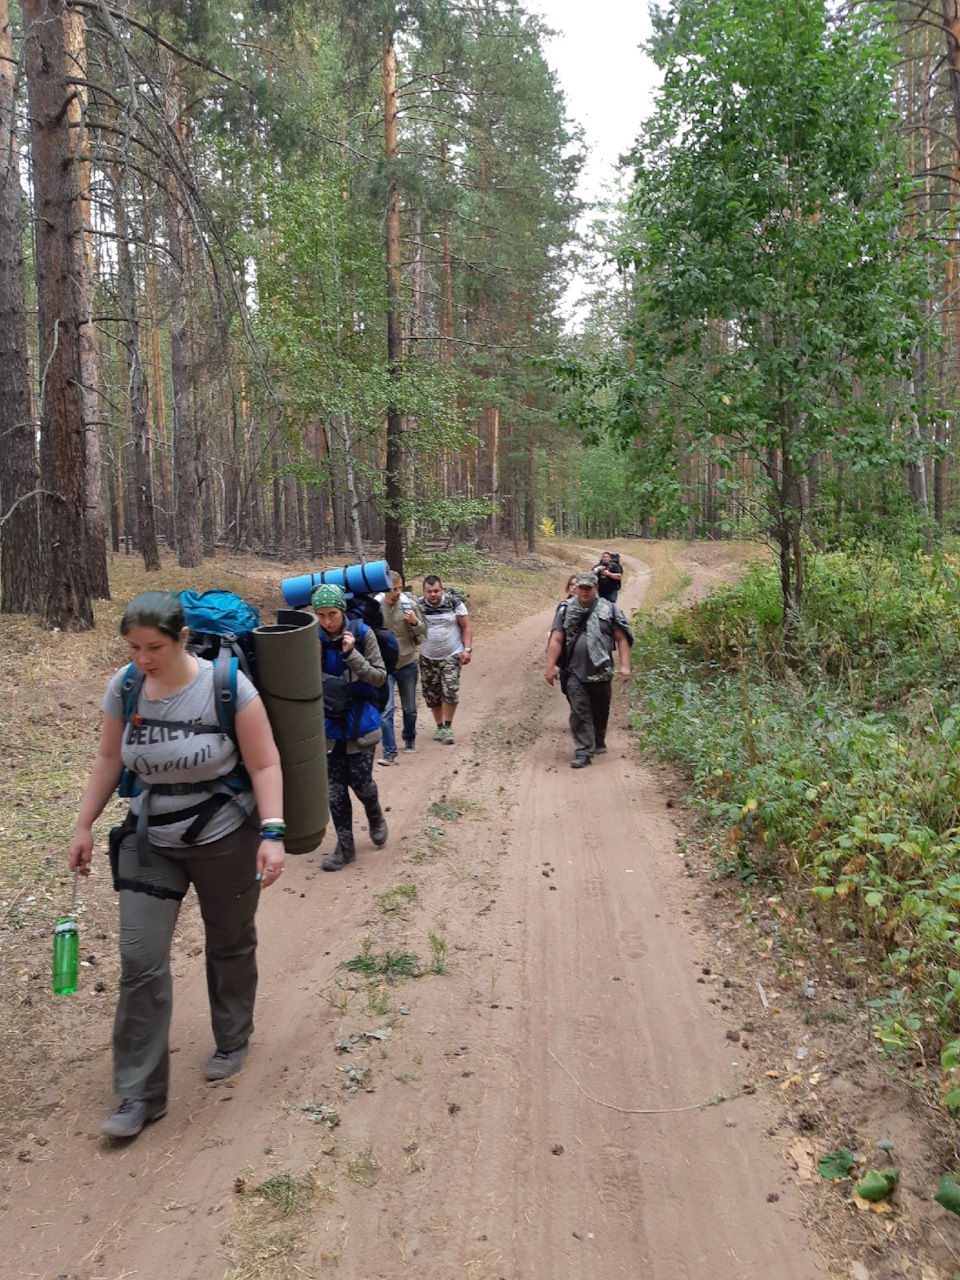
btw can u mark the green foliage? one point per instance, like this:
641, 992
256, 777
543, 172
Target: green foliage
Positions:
844, 766
836, 1164
878, 1184
388, 966
779, 295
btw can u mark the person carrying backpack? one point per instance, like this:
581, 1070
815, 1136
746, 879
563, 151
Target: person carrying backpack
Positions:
210, 806
353, 672
402, 615
583, 637
609, 576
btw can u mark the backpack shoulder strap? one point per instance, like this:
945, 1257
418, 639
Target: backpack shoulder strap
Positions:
130, 689
225, 690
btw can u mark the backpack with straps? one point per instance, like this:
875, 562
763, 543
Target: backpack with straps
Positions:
221, 630
368, 610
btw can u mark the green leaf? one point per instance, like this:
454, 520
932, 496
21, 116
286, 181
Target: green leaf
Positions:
825, 891
948, 1193
877, 1185
874, 898
836, 1164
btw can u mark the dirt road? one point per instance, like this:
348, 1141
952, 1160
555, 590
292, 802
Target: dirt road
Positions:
529, 1107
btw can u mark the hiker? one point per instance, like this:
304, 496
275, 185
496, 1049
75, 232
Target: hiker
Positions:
353, 669
444, 653
584, 634
568, 590
211, 822
402, 616
609, 576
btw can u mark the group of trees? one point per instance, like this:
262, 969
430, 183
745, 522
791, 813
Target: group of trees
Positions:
784, 354
275, 274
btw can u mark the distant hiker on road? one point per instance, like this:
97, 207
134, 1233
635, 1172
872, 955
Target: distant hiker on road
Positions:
402, 616
609, 576
353, 671
443, 654
200, 826
584, 634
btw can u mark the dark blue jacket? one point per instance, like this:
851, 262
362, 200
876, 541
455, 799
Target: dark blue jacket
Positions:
363, 720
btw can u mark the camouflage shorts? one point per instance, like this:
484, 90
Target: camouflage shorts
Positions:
440, 680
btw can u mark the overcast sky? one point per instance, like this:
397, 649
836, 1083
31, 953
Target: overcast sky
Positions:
608, 83
607, 80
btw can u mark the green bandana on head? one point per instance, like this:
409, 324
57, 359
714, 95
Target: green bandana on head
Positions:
328, 596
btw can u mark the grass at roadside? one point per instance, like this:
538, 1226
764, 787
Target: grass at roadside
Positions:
833, 775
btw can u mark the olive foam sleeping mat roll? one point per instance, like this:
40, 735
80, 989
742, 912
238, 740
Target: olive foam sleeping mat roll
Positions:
290, 680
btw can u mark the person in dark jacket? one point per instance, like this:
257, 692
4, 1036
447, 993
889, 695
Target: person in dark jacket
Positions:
351, 657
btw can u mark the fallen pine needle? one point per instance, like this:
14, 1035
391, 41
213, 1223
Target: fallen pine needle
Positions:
641, 1111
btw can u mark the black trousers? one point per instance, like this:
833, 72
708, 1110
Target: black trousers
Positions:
589, 713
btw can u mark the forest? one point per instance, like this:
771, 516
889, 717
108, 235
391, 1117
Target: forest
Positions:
287, 282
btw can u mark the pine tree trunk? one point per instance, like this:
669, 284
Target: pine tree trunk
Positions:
187, 501
136, 384
67, 598
75, 52
20, 569
393, 476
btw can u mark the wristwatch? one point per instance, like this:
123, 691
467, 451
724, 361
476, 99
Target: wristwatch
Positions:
467, 650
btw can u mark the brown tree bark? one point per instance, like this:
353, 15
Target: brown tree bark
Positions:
61, 315
187, 499
393, 477
75, 50
137, 395
20, 568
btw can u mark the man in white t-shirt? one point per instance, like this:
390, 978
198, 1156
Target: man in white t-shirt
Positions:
444, 653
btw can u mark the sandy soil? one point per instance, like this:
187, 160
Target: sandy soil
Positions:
537, 1109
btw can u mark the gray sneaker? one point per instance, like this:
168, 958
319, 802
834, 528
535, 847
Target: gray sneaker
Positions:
445, 734
223, 1063
387, 760
131, 1115
438, 736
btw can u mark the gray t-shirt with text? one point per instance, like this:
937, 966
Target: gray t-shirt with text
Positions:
158, 754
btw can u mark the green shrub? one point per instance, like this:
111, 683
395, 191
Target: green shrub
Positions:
841, 770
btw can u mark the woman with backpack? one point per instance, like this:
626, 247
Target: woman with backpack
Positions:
198, 826
353, 671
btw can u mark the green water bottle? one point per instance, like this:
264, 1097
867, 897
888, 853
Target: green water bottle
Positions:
66, 956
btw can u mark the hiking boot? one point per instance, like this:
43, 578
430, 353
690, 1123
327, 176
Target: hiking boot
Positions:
601, 750
408, 747
445, 734
387, 760
344, 852
224, 1062
131, 1115
580, 761
378, 826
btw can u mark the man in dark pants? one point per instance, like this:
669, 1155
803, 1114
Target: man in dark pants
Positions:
584, 634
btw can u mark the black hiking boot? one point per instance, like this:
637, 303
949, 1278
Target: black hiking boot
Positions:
344, 852
378, 826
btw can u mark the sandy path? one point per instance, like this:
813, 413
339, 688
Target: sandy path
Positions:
497, 1138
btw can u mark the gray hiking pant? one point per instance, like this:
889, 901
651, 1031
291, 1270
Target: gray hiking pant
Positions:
589, 713
224, 876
